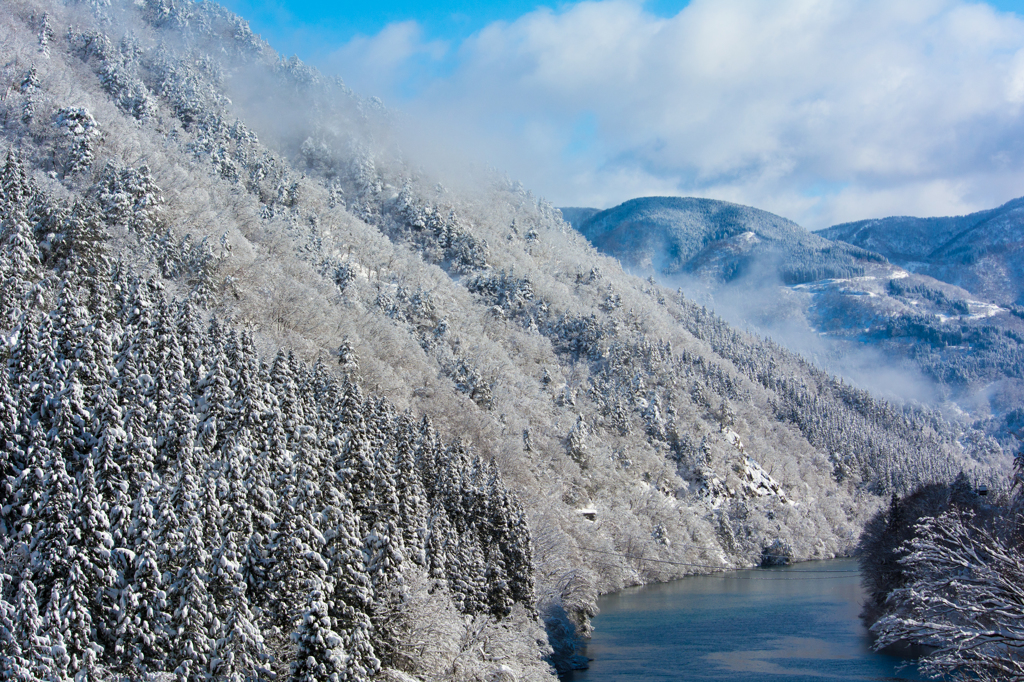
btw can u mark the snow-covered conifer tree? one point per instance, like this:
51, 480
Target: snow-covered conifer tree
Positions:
97, 574
352, 596
28, 654
191, 643
238, 653
412, 497
20, 258
52, 528
297, 542
145, 628
320, 653
76, 623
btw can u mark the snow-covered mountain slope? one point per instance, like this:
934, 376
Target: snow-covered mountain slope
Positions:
157, 151
982, 252
884, 327
716, 241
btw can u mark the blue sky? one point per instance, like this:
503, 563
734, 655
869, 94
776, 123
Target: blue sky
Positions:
819, 110
310, 28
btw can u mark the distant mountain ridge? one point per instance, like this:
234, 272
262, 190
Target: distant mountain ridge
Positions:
714, 240
982, 252
914, 296
576, 215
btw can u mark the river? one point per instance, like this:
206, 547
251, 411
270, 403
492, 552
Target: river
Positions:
786, 624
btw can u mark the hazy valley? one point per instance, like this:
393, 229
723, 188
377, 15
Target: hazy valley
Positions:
884, 321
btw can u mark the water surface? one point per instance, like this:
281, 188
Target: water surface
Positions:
797, 623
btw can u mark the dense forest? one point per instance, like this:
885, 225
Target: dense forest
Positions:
173, 503
280, 399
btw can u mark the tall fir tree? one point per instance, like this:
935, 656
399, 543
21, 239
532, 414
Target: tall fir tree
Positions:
192, 617
319, 651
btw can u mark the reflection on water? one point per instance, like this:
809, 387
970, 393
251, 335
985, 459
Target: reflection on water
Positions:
793, 623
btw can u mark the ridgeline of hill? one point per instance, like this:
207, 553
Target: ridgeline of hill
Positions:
714, 240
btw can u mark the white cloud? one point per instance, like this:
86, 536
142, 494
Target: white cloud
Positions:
820, 110
383, 63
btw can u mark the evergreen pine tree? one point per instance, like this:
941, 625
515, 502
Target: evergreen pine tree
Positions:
12, 663
29, 655
54, 627
319, 651
297, 541
412, 497
76, 619
11, 456
109, 454
20, 259
263, 507
52, 534
238, 652
29, 490
17, 189
192, 616
441, 539
144, 631
352, 593
95, 582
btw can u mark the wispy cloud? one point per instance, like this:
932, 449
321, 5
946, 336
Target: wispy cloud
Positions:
819, 110
398, 61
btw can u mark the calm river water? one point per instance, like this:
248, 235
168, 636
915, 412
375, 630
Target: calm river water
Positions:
782, 624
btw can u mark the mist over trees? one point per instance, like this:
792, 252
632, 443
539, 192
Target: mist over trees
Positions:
312, 410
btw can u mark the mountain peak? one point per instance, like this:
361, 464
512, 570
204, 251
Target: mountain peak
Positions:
698, 237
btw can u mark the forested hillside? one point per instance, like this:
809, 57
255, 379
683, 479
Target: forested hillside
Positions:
173, 503
980, 252
715, 241
277, 398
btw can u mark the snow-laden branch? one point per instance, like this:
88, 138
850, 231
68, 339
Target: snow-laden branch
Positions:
964, 597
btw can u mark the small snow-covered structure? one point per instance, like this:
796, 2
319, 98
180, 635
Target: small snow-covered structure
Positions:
589, 513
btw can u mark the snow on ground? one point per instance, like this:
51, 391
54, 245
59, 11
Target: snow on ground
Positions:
979, 311
758, 483
754, 480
